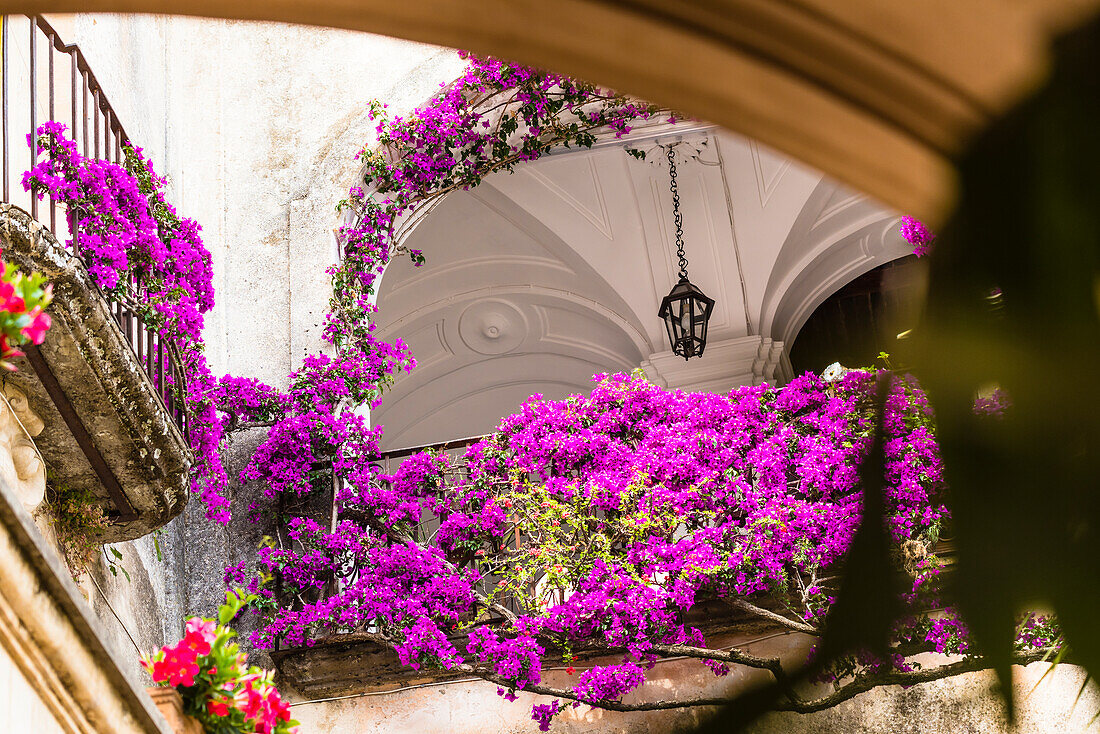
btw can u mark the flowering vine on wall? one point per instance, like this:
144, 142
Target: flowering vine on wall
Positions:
138, 249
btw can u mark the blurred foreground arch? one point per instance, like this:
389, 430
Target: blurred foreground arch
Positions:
880, 94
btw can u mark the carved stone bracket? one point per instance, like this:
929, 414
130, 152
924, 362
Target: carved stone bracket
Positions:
21, 464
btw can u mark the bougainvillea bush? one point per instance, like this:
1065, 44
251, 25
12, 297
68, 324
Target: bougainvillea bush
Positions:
217, 686
140, 251
639, 511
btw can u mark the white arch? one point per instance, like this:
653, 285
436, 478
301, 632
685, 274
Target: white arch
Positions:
838, 236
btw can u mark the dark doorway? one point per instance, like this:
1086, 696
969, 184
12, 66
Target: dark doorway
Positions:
861, 319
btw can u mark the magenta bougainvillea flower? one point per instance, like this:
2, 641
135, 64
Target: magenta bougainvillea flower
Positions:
916, 234
136, 246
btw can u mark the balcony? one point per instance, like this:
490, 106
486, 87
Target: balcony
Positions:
103, 388
352, 662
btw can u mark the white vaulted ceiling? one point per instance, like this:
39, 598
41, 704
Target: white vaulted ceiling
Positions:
537, 280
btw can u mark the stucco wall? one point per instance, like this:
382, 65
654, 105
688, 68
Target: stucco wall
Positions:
263, 124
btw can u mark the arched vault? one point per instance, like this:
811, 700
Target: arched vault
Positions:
538, 279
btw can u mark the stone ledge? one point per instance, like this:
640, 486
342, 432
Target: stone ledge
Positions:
50, 634
133, 442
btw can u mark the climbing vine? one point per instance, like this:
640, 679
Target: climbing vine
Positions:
79, 521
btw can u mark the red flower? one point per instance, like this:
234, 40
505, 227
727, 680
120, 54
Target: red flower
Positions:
200, 635
15, 304
35, 331
217, 708
570, 670
248, 700
178, 667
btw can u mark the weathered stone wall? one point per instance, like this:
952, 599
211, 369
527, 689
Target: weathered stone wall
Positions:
56, 672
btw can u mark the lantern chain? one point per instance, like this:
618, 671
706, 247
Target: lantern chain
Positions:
677, 217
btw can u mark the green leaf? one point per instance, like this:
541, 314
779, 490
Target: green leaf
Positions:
1012, 301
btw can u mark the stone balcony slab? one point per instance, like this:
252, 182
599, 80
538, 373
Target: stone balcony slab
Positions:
106, 427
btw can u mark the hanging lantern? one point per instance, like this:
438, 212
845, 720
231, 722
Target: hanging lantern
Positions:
685, 310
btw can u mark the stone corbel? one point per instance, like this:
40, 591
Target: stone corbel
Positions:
21, 464
747, 360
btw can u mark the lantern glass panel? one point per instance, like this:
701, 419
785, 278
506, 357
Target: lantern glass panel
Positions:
685, 311
700, 321
670, 325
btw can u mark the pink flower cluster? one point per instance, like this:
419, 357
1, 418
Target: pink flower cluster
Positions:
23, 300
761, 482
215, 682
179, 664
916, 234
135, 246
12, 301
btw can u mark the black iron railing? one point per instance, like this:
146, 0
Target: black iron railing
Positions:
44, 79
326, 511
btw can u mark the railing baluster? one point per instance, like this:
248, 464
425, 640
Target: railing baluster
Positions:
34, 103
160, 367
89, 109
74, 232
84, 108
158, 374
4, 94
52, 43
149, 365
95, 121
72, 98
